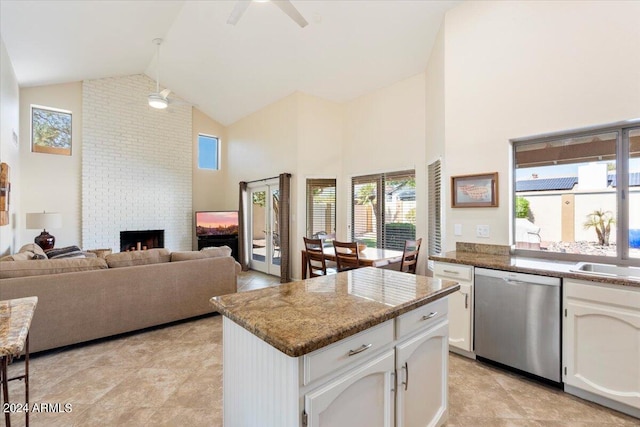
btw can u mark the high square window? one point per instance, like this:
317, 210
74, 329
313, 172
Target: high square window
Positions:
208, 152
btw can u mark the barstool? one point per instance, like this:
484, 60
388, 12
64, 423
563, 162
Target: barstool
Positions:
15, 320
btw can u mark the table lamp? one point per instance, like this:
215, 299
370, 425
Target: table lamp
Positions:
44, 220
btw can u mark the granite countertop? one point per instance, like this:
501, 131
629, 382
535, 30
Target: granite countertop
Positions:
528, 265
15, 319
300, 317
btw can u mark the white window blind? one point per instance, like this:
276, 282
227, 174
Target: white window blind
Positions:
434, 225
321, 207
383, 209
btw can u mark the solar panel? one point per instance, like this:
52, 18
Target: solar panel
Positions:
546, 184
634, 179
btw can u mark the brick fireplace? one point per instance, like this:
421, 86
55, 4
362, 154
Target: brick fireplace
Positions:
137, 165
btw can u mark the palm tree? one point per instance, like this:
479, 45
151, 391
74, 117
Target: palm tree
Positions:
601, 221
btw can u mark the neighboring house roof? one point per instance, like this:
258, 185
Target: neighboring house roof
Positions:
567, 183
547, 184
634, 179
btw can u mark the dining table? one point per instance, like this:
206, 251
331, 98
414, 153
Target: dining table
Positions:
369, 257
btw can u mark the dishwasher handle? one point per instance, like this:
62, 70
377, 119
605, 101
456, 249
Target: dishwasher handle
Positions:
515, 282
513, 278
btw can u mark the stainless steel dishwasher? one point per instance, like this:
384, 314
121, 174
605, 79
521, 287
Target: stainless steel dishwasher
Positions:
517, 321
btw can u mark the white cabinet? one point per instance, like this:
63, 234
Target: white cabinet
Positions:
601, 344
421, 366
460, 306
402, 388
363, 397
353, 382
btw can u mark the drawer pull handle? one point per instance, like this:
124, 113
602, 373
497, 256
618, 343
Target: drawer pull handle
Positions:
451, 271
430, 315
360, 350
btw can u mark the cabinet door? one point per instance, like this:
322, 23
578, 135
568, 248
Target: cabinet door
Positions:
421, 364
460, 318
602, 350
362, 397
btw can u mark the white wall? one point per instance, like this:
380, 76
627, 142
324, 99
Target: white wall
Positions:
51, 182
385, 131
137, 164
209, 186
435, 100
10, 124
515, 69
300, 134
263, 144
321, 125
313, 138
435, 123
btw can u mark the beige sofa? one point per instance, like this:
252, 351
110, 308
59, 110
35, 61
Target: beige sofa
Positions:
114, 297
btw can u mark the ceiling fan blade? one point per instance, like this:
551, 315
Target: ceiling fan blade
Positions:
165, 93
238, 11
291, 11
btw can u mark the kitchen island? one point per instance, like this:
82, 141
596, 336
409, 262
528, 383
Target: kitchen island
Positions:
366, 347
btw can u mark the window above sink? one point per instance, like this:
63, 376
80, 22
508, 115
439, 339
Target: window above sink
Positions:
576, 194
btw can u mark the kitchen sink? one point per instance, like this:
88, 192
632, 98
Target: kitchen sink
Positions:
631, 273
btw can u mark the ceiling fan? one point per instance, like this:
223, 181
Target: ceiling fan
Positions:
158, 99
283, 5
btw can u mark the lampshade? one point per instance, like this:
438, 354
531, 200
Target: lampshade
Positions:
156, 101
44, 220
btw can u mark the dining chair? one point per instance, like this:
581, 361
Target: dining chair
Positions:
276, 245
326, 238
347, 256
409, 260
316, 263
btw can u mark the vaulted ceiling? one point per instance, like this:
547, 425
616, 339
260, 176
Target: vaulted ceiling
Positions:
348, 49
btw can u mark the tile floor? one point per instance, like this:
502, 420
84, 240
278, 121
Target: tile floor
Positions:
171, 376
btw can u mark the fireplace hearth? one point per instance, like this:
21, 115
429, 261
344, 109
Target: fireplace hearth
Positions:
141, 240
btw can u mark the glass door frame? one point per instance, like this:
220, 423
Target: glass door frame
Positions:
268, 262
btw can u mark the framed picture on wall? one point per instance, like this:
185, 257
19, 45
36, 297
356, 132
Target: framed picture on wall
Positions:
474, 191
50, 130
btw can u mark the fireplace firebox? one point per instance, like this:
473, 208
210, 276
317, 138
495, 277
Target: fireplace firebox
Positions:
141, 240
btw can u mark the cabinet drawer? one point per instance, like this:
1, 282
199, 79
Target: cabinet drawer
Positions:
453, 271
349, 350
421, 318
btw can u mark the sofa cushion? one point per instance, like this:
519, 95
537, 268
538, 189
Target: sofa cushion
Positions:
220, 250
12, 269
66, 252
20, 256
37, 250
102, 253
128, 259
208, 253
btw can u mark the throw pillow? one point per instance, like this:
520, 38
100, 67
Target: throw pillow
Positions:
66, 252
35, 249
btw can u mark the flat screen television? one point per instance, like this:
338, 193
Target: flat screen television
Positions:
216, 223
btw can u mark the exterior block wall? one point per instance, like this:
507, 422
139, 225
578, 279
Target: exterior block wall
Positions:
136, 164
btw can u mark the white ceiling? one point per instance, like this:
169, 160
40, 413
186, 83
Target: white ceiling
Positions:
348, 49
